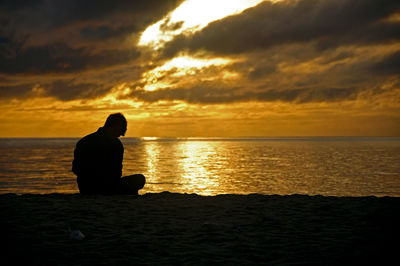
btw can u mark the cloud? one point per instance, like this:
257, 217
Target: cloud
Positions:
390, 65
14, 91
58, 58
57, 36
217, 93
71, 89
290, 51
72, 49
328, 23
295, 51
56, 14
278, 75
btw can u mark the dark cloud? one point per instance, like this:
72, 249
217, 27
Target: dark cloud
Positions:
14, 91
329, 23
68, 89
207, 92
65, 12
13, 5
216, 93
305, 95
390, 65
71, 49
338, 57
326, 76
296, 51
56, 36
74, 89
104, 32
59, 57
82, 49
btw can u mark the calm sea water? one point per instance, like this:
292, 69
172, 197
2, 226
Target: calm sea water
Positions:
325, 166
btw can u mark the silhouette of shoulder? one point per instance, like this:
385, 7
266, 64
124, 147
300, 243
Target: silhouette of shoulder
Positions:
98, 141
98, 154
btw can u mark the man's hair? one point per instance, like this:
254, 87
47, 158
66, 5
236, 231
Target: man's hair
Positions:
115, 119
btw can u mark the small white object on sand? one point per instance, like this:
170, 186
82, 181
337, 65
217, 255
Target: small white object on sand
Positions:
76, 234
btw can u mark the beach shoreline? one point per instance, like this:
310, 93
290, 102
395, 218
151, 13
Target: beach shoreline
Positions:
189, 229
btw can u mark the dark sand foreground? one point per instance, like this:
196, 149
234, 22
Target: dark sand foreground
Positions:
182, 229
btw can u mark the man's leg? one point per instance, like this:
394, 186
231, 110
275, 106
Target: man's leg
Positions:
85, 188
131, 184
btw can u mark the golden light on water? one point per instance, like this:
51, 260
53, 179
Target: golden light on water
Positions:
189, 17
183, 165
196, 176
152, 155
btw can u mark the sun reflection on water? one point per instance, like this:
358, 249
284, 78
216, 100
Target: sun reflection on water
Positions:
178, 166
195, 175
152, 154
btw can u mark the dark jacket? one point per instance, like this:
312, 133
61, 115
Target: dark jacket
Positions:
98, 163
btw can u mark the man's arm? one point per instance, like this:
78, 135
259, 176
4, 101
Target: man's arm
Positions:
117, 158
82, 158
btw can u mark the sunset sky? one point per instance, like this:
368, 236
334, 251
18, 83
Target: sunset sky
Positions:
200, 67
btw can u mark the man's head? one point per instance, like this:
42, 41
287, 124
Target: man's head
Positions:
116, 125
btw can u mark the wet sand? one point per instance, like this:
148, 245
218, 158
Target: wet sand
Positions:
187, 229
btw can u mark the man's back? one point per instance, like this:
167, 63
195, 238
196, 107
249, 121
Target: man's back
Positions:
98, 163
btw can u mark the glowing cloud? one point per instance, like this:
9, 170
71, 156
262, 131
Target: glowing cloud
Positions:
189, 17
187, 61
179, 66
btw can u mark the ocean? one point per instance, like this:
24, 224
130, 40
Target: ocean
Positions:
329, 166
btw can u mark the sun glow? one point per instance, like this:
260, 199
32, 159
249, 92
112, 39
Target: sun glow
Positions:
177, 67
185, 62
189, 17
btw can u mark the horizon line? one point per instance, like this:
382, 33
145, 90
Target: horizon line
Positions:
215, 137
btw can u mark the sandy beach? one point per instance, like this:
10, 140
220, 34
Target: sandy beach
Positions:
187, 229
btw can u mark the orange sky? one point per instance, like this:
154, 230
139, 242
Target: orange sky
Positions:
201, 68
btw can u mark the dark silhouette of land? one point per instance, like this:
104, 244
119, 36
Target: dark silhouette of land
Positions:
187, 229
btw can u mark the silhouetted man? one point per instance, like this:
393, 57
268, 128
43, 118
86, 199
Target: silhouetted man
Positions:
98, 161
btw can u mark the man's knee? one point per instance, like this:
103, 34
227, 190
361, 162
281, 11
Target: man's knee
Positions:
134, 181
141, 180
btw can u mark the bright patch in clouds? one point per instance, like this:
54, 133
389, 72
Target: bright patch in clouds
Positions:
187, 61
178, 66
191, 16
